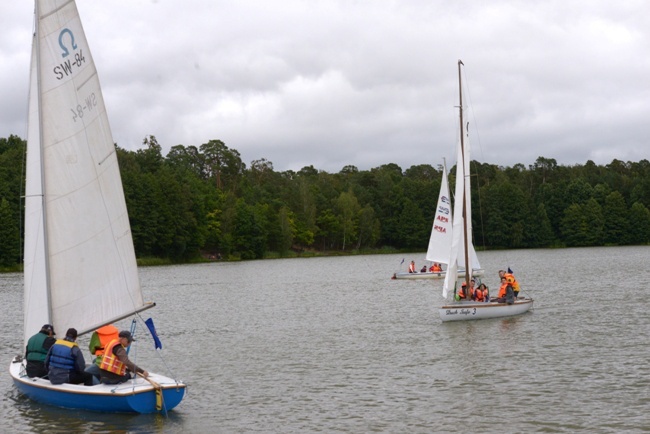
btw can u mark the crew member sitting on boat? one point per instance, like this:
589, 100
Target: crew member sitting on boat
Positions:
435, 268
462, 293
412, 267
482, 294
510, 277
98, 342
36, 351
65, 362
423, 269
506, 294
116, 367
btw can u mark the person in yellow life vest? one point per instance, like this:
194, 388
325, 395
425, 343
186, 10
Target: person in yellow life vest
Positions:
412, 267
65, 362
115, 366
98, 341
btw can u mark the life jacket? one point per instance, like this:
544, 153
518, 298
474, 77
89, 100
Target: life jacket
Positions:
481, 294
510, 278
461, 293
502, 290
35, 350
106, 335
61, 354
411, 268
110, 362
436, 268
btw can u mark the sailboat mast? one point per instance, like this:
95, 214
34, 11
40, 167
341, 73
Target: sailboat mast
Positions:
41, 141
462, 149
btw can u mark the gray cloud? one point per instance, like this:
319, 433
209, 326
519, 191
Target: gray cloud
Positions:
332, 83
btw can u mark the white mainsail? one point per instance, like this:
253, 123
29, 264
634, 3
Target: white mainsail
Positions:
80, 266
462, 223
441, 230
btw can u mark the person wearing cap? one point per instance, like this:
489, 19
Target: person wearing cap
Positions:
115, 366
98, 342
36, 351
65, 361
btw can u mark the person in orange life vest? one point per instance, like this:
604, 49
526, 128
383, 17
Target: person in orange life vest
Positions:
435, 268
36, 351
482, 293
115, 366
510, 277
65, 362
462, 293
504, 286
98, 341
412, 267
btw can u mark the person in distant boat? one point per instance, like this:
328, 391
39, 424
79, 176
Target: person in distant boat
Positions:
36, 351
116, 367
436, 268
506, 294
412, 267
65, 362
482, 293
472, 290
461, 294
423, 269
503, 288
98, 342
510, 277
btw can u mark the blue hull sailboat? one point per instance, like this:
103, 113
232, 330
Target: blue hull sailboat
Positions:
79, 260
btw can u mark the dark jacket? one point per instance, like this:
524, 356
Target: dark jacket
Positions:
64, 358
35, 353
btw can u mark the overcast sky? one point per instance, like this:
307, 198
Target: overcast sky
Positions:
363, 82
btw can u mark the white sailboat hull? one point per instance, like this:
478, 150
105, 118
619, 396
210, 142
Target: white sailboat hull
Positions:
428, 275
472, 310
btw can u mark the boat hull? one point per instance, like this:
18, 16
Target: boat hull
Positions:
469, 310
135, 396
428, 275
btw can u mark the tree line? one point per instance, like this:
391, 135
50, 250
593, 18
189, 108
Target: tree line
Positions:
199, 201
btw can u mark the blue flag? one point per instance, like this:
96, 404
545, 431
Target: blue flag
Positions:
152, 329
509, 270
402, 261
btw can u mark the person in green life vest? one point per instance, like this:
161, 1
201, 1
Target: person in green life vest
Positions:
36, 351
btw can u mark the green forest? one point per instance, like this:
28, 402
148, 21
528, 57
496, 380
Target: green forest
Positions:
204, 202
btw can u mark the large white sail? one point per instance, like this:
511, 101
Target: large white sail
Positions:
462, 213
441, 230
80, 267
456, 253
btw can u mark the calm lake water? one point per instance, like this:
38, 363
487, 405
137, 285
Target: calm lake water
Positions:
334, 345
